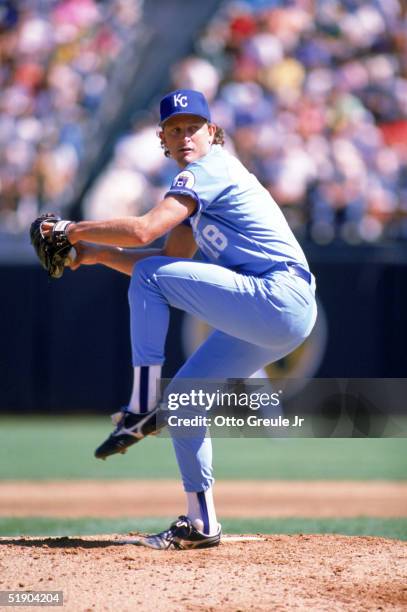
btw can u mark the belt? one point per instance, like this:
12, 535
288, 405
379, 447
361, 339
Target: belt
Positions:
293, 268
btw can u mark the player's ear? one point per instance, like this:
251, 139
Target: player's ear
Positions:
212, 132
160, 134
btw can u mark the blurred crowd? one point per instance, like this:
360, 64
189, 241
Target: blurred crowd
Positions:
55, 61
312, 95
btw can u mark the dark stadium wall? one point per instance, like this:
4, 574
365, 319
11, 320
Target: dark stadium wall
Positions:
65, 344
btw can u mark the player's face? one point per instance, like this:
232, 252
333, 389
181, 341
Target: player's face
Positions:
187, 137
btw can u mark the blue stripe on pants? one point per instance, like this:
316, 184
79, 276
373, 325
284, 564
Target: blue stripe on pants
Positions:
144, 379
204, 511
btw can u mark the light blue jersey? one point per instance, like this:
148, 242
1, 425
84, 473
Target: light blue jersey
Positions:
237, 223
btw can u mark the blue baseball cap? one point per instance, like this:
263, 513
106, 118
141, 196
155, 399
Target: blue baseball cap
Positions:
184, 102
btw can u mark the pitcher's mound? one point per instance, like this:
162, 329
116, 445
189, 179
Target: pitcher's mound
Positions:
308, 572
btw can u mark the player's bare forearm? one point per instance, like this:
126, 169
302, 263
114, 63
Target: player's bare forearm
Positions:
116, 258
134, 231
124, 232
123, 260
180, 243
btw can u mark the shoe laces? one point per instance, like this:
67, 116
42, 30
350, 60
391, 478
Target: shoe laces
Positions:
181, 522
171, 532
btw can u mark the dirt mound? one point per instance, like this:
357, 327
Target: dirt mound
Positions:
302, 572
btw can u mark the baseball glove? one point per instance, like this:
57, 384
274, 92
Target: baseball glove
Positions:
52, 250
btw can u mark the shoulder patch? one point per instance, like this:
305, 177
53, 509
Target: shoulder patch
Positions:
184, 179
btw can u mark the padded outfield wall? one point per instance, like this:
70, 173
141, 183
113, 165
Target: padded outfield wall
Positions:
65, 344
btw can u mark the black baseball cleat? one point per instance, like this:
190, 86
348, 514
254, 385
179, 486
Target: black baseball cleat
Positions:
181, 535
130, 429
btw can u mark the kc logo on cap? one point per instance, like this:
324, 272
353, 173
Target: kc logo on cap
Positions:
180, 100
185, 102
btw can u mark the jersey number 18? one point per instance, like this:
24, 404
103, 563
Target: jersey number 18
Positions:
216, 239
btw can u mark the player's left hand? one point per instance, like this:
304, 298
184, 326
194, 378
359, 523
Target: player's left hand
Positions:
49, 239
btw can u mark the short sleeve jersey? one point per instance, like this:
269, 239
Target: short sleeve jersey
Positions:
236, 224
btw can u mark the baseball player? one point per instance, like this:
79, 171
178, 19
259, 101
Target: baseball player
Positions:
252, 285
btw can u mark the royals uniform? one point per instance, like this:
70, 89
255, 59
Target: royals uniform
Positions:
252, 285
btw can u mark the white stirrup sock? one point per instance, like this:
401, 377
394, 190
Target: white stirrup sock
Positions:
201, 511
144, 395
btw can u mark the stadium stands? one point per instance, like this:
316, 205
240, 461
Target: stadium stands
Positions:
56, 61
312, 96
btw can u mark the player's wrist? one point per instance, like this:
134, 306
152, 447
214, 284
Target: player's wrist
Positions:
97, 253
71, 234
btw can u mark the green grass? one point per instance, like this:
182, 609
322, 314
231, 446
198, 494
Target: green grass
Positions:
62, 448
36, 526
